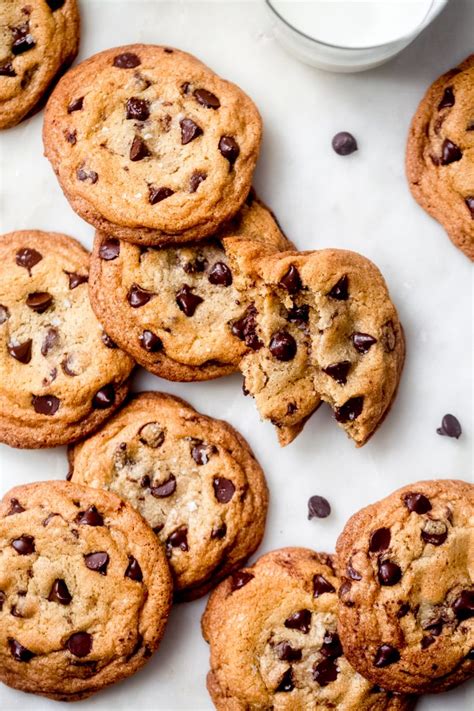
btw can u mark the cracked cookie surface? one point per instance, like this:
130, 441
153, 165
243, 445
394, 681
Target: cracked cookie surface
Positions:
60, 375
38, 38
176, 310
150, 146
407, 596
272, 630
193, 478
439, 154
85, 590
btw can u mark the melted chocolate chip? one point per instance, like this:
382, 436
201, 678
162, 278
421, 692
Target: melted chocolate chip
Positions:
201, 452
134, 572
4, 314
463, 606
19, 652
45, 404
363, 342
195, 181
90, 517
206, 98
104, 398
107, 341
158, 194
97, 562
448, 99
25, 545
22, 39
55, 4
300, 620
87, 176
286, 683
7, 70
318, 507
127, 60
417, 503
450, 152
379, 540
67, 366
434, 532
138, 297
322, 586
76, 105
286, 653
298, 314
325, 672
386, 655
344, 593
283, 346
139, 149
28, 258
340, 290
229, 148
109, 249
150, 342
245, 329
224, 489
219, 532
178, 539
187, 301
220, 274
353, 573
164, 490
351, 409
39, 301
197, 266
344, 143
427, 641
338, 371
138, 109
291, 281
450, 427
50, 340
21, 352
76, 280
389, 573
331, 647
239, 579
15, 507
59, 593
80, 644
189, 130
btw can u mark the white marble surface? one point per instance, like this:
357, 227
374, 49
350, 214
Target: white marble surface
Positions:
360, 202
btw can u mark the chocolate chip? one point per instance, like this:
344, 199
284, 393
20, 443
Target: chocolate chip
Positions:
331, 647
229, 148
158, 194
470, 204
150, 342
139, 149
463, 606
19, 652
151, 434
338, 371
76, 105
197, 266
21, 352
286, 682
137, 296
450, 427
298, 314
325, 672
50, 340
344, 593
3, 598
4, 314
104, 398
448, 99
80, 644
59, 593
389, 573
282, 346
15, 507
90, 517
25, 545
45, 404
363, 342
187, 301
138, 109
470, 654
109, 249
427, 641
417, 503
164, 490
386, 655
178, 539
71, 137
127, 60
7, 70
286, 653
300, 620
321, 586
450, 152
350, 411
145, 482
28, 258
353, 573
201, 453
189, 131
344, 143
55, 4
87, 175
318, 507
245, 329
340, 290
291, 281
195, 181
134, 572
224, 489
434, 532
97, 562
39, 301
219, 532
206, 98
239, 579
22, 39
379, 540
107, 341
76, 280
220, 274
185, 87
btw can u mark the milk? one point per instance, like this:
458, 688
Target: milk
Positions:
354, 23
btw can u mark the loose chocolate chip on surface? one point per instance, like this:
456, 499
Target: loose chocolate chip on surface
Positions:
45, 404
448, 99
139, 149
28, 258
224, 489
90, 517
331, 647
229, 148
379, 540
178, 539
4, 314
291, 281
162, 491
150, 342
109, 249
338, 371
239, 579
363, 342
80, 644
206, 98
322, 586
25, 545
107, 341
340, 290
195, 181
156, 195
7, 70
127, 60
39, 301
286, 653
283, 346
298, 314
286, 683
344, 143
450, 427
450, 152
138, 109
189, 130
325, 672
201, 452
21, 352
350, 411
389, 573
19, 652
15, 507
220, 274
386, 655
76, 105
137, 296
187, 301
300, 620
318, 507
59, 593
104, 398
463, 606
75, 279
134, 572
434, 532
97, 562
417, 503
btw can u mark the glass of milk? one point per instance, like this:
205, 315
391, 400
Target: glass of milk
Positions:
350, 35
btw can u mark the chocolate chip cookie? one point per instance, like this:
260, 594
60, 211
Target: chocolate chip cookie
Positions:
274, 642
439, 154
150, 146
61, 375
85, 590
177, 310
323, 328
38, 39
193, 478
406, 615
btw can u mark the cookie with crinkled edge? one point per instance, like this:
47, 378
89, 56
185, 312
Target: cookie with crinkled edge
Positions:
406, 616
439, 154
194, 479
85, 590
61, 375
150, 145
38, 40
325, 329
177, 310
272, 630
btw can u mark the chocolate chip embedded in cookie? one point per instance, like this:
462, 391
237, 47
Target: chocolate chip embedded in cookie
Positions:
327, 331
406, 615
194, 480
39, 39
273, 637
150, 145
179, 310
85, 590
59, 379
439, 154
